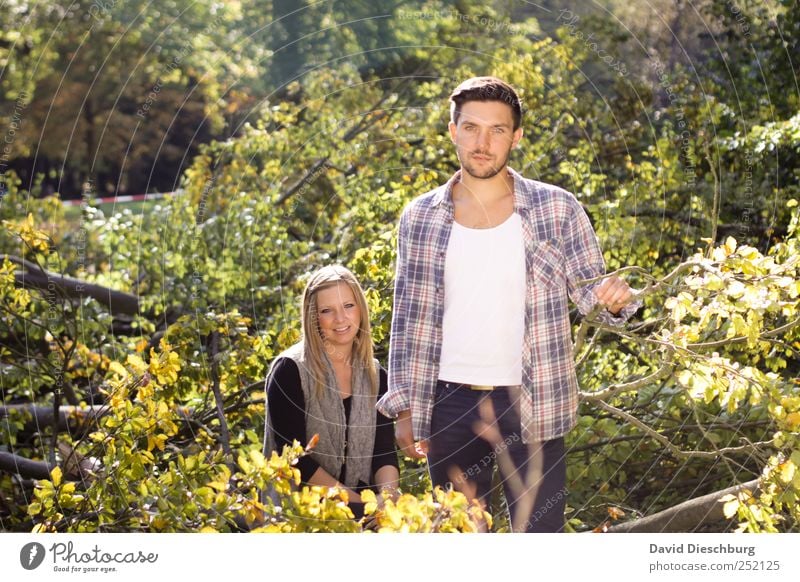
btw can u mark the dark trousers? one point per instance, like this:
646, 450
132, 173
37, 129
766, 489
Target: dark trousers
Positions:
472, 430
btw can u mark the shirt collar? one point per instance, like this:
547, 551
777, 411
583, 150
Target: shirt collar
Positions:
521, 198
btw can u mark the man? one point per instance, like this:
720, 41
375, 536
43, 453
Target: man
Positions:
481, 369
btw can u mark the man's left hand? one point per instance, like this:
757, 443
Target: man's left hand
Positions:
614, 293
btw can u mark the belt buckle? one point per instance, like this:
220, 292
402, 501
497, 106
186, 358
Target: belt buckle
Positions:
480, 387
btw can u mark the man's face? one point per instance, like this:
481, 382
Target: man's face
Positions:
484, 137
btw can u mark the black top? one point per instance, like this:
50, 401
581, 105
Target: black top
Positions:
287, 408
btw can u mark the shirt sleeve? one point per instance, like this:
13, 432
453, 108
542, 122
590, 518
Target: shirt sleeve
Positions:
384, 452
397, 397
287, 412
584, 260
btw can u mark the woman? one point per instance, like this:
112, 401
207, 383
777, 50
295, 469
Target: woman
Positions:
327, 384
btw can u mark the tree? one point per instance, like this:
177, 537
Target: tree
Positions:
140, 343
119, 94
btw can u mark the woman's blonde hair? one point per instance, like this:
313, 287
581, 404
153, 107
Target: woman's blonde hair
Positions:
313, 342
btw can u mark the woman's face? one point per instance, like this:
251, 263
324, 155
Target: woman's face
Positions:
339, 314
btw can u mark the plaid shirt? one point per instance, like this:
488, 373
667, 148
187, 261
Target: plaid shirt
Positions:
561, 249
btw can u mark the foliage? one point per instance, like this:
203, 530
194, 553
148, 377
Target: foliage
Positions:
166, 322
106, 90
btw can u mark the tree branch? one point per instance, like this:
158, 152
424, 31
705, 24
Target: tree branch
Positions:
744, 449
717, 193
682, 429
115, 301
69, 417
365, 122
686, 516
741, 339
14, 464
315, 167
220, 403
614, 389
30, 265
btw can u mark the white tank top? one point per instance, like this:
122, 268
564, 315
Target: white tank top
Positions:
484, 305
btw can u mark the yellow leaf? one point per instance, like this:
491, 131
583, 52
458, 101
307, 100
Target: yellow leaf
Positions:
787, 470
245, 464
753, 325
118, 368
370, 501
731, 506
136, 363
164, 366
615, 513
55, 476
160, 440
793, 420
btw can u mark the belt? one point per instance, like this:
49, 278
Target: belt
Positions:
470, 386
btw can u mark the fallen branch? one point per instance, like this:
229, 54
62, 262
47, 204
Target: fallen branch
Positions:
42, 280
30, 265
11, 463
69, 417
686, 516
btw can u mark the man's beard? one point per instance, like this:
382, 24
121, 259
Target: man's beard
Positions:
484, 174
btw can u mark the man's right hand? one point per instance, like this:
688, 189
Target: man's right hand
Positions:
404, 433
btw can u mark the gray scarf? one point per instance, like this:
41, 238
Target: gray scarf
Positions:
325, 417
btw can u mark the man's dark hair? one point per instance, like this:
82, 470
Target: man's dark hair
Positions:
486, 89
